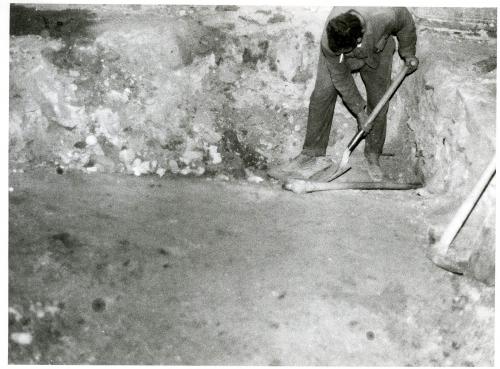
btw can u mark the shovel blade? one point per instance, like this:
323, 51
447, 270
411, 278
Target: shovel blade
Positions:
334, 171
329, 174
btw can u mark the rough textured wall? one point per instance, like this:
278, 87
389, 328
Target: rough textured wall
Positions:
149, 89
169, 88
449, 105
480, 17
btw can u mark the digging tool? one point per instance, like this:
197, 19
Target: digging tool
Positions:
333, 172
438, 250
303, 186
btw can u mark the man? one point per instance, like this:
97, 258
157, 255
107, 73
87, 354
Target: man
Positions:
354, 40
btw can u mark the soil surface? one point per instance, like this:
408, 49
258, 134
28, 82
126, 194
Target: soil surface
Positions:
115, 269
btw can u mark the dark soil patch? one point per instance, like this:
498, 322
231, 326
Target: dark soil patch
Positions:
68, 24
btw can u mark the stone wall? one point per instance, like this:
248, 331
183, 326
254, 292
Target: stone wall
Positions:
474, 16
449, 105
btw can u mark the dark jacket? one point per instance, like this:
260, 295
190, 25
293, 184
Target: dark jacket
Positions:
378, 24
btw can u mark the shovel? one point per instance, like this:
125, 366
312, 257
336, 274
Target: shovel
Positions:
438, 249
333, 172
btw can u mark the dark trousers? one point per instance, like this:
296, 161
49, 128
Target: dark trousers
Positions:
324, 97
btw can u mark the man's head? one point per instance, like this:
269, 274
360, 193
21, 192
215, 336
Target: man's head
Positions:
344, 33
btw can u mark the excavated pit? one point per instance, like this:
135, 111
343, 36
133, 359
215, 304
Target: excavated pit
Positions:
156, 93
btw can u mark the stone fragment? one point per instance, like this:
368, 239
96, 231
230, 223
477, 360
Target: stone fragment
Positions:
191, 155
161, 172
222, 177
108, 123
53, 310
199, 171
127, 156
252, 178
17, 315
215, 156
21, 338
91, 140
174, 167
153, 165
140, 167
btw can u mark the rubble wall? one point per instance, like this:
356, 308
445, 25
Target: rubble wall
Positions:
197, 90
479, 17
449, 106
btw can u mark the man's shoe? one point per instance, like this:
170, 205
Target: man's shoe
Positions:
374, 169
284, 170
375, 172
310, 167
302, 166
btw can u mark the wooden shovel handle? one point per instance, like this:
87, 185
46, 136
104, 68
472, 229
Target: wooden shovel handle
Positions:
463, 212
387, 95
304, 186
385, 98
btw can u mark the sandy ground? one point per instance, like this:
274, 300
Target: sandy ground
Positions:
109, 269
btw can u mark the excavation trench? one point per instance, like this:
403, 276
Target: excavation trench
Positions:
220, 91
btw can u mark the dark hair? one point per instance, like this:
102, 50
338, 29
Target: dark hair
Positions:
343, 31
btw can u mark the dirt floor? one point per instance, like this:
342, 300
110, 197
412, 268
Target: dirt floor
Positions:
115, 269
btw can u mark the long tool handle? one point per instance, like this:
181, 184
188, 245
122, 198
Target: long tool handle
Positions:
463, 212
385, 98
301, 186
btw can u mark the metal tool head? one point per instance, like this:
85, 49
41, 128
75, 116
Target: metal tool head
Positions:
295, 185
334, 171
341, 171
343, 166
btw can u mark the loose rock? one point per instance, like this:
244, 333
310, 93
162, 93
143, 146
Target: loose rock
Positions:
21, 338
91, 140
161, 172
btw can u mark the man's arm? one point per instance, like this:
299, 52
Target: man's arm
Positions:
405, 32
